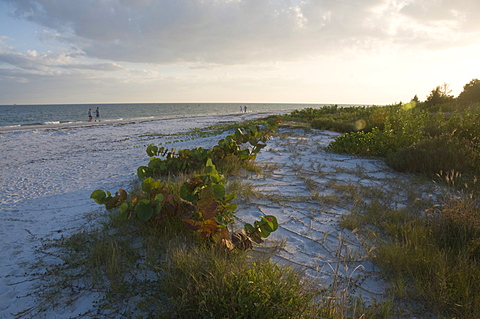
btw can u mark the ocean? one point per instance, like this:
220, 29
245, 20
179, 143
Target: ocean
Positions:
25, 115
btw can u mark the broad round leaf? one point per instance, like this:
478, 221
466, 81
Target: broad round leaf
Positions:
99, 196
218, 191
144, 210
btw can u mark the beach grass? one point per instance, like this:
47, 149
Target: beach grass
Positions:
428, 252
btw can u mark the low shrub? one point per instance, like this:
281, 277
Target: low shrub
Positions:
432, 155
332, 125
375, 143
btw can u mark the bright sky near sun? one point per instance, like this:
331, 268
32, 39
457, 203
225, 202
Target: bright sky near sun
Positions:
278, 51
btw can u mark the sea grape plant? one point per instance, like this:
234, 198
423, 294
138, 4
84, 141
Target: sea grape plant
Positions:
106, 198
205, 207
261, 228
211, 209
155, 203
244, 143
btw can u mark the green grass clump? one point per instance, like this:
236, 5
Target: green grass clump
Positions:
210, 283
432, 258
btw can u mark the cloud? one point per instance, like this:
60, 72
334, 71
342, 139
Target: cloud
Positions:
47, 64
245, 31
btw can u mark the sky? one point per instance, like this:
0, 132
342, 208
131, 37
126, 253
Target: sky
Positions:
263, 51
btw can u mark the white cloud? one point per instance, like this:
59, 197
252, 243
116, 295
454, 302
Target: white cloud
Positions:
340, 51
50, 63
243, 31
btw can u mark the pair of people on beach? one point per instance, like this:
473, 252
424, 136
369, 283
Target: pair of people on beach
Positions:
97, 115
244, 109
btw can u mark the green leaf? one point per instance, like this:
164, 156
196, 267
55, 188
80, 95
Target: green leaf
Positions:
248, 228
142, 171
231, 207
244, 154
186, 194
144, 210
218, 191
253, 129
221, 221
159, 197
152, 150
125, 209
263, 232
270, 223
210, 169
209, 162
230, 196
239, 135
149, 185
157, 208
99, 196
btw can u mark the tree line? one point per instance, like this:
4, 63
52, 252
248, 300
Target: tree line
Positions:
441, 98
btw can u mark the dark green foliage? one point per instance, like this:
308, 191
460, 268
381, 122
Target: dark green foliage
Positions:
466, 125
309, 114
332, 125
401, 127
164, 161
375, 143
262, 228
432, 155
106, 198
338, 119
438, 96
471, 92
416, 137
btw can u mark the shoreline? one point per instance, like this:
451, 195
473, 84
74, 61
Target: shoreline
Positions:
7, 129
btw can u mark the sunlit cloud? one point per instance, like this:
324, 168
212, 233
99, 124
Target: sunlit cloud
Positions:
272, 50
235, 32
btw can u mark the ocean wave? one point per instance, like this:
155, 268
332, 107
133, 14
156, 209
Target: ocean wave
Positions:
51, 122
113, 120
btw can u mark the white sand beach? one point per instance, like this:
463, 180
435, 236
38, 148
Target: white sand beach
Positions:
48, 174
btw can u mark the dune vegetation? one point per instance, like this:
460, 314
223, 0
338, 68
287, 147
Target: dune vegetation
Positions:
431, 254
165, 249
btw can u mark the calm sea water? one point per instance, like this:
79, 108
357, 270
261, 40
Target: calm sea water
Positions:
23, 115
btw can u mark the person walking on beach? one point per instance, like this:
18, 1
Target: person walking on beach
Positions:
245, 109
97, 114
90, 115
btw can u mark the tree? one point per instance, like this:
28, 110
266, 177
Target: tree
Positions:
471, 92
439, 95
445, 90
